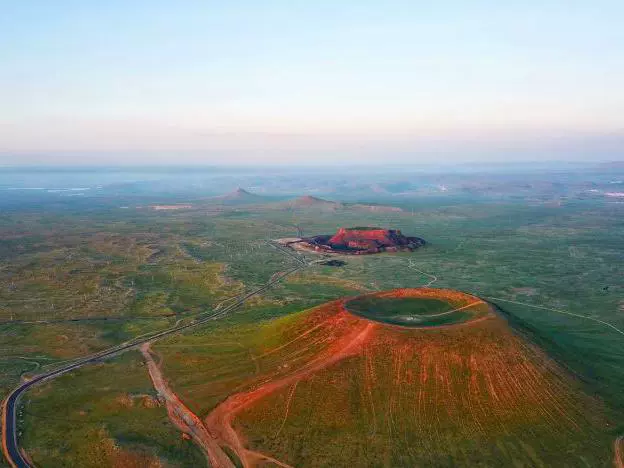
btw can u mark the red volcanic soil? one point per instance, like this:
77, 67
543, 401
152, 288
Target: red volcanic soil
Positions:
451, 394
365, 240
380, 237
343, 335
182, 417
347, 334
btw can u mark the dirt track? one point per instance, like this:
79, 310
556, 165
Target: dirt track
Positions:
219, 421
183, 418
10, 444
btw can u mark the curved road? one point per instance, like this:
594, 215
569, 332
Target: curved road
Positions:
10, 443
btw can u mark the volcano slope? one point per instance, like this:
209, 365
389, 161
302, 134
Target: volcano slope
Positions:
408, 377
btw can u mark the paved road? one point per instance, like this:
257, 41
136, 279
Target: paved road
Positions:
10, 443
85, 319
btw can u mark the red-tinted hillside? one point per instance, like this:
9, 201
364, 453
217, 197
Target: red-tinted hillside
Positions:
380, 237
369, 239
358, 241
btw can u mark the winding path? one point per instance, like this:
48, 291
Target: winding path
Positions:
10, 443
559, 311
433, 279
219, 421
217, 425
185, 420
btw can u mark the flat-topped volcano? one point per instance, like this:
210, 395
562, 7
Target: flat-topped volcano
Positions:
361, 240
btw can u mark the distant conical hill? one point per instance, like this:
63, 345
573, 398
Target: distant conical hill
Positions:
240, 193
241, 196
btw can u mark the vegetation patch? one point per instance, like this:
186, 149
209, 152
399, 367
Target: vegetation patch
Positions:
108, 415
137, 267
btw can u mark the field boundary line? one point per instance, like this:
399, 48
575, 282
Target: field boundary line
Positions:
559, 311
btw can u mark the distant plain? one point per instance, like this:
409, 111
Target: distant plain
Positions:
79, 274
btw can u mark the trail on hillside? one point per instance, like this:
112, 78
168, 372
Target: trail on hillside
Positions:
219, 421
183, 418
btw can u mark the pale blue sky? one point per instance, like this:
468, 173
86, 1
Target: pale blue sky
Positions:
252, 81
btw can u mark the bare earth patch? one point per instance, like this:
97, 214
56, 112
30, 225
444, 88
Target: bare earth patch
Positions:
183, 418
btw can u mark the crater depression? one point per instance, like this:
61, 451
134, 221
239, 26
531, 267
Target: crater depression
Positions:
408, 377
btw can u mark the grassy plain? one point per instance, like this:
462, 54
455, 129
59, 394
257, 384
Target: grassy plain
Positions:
143, 270
74, 283
105, 415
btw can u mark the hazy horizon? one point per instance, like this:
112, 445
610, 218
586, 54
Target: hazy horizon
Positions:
315, 84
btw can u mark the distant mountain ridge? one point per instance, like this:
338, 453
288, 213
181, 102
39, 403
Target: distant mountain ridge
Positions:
310, 201
242, 196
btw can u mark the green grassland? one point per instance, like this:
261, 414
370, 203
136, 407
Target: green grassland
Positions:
566, 258
106, 415
145, 270
71, 285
